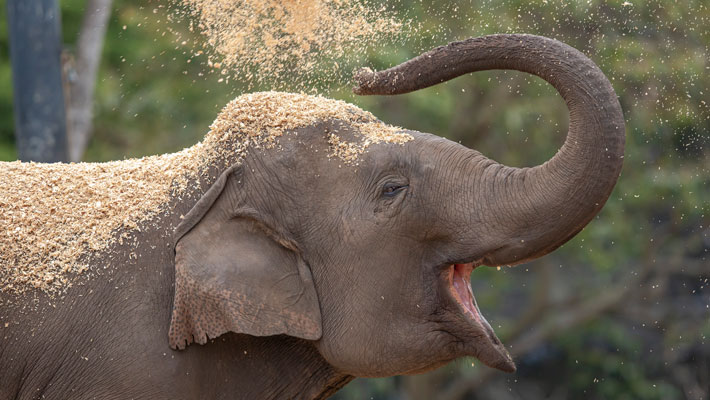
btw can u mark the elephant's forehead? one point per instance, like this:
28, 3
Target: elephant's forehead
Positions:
260, 118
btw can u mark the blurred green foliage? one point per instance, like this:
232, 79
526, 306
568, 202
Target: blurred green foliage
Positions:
157, 95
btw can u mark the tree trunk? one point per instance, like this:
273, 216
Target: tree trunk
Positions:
82, 79
35, 47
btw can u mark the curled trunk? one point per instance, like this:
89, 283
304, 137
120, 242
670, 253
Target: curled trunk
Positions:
531, 211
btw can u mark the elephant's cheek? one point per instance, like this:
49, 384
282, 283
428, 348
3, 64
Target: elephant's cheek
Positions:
405, 352
347, 354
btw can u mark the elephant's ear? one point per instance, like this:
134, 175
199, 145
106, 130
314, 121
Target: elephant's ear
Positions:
235, 274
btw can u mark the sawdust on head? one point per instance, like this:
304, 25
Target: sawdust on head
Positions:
54, 217
258, 41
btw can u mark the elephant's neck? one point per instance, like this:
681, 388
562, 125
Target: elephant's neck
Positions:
311, 382
278, 367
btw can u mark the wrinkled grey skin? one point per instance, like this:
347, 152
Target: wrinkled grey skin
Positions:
379, 241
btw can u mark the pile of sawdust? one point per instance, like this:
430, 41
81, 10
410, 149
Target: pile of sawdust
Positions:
260, 41
53, 217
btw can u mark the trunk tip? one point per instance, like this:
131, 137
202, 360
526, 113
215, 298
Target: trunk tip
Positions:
365, 79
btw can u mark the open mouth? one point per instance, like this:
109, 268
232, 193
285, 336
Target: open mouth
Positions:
460, 281
489, 348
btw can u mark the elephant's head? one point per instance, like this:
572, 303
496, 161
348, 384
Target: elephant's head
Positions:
369, 260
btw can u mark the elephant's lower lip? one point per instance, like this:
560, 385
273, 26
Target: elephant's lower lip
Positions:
459, 280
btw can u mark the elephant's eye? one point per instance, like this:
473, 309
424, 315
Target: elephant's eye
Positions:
392, 189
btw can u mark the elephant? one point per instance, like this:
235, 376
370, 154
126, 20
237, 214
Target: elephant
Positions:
315, 245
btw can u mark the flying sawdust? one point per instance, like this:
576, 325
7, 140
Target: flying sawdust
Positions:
295, 44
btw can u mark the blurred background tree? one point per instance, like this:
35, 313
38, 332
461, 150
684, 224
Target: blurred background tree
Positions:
621, 311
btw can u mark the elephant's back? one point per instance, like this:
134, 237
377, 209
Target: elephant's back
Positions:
53, 215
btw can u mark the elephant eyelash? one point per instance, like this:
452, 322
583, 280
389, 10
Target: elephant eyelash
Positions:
392, 189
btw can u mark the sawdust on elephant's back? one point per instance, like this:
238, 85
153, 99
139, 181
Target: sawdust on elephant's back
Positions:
310, 41
53, 215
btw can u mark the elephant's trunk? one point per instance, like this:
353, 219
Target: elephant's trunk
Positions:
530, 211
